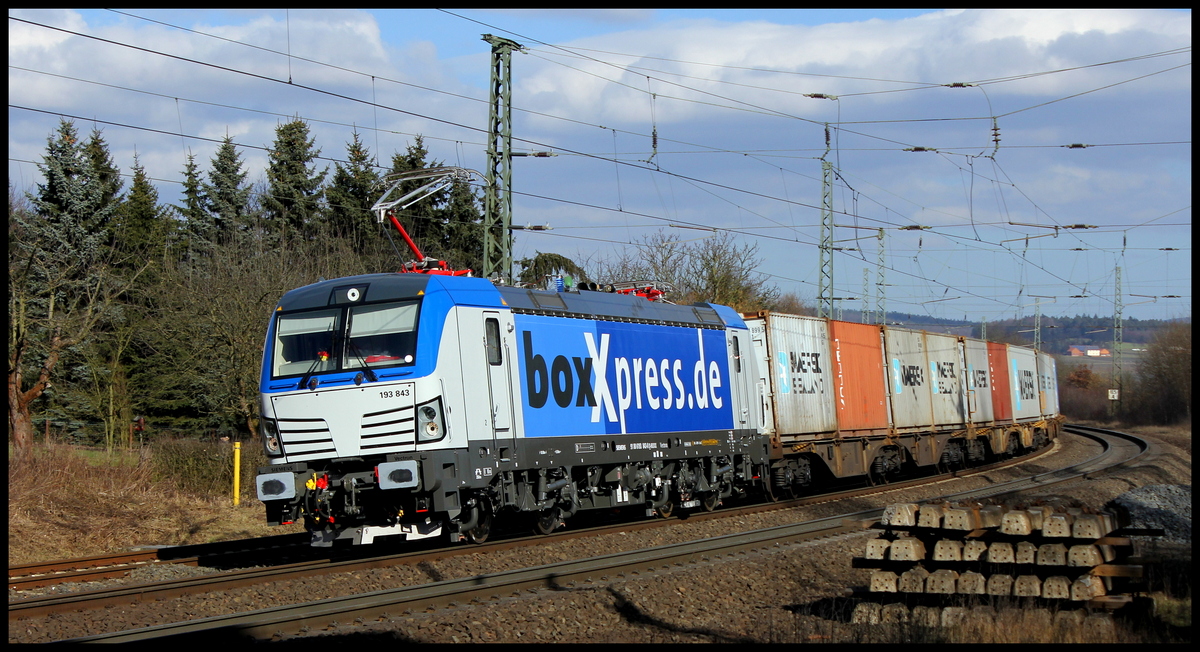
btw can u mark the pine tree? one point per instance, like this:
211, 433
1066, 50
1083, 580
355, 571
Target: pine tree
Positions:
62, 286
143, 225
226, 194
108, 175
199, 228
351, 193
295, 186
76, 201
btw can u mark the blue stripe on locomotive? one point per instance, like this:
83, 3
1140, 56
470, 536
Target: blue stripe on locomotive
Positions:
584, 377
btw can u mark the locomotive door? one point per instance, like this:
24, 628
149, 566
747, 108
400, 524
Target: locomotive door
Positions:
737, 381
497, 334
758, 339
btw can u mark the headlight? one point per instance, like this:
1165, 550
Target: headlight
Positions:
430, 426
270, 437
398, 475
276, 486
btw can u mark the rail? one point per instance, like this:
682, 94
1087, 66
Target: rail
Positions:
329, 613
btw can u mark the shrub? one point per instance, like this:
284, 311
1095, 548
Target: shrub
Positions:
205, 468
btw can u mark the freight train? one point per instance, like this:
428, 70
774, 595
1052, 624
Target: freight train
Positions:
424, 405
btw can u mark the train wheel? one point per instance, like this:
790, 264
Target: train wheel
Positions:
780, 486
710, 501
482, 529
877, 475
666, 509
547, 521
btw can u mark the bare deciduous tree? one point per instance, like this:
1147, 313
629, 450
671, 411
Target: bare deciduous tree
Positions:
715, 269
1163, 393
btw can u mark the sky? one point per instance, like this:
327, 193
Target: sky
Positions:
1015, 159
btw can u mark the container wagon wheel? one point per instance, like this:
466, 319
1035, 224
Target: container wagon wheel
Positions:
781, 486
772, 493
877, 474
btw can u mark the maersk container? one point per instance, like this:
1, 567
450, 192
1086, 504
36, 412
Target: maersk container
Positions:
1048, 383
859, 378
795, 364
1023, 383
1001, 386
946, 386
909, 378
978, 382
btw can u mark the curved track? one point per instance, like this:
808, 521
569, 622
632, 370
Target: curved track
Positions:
1117, 449
289, 556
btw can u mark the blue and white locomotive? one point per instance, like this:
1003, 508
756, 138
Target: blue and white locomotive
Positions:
419, 404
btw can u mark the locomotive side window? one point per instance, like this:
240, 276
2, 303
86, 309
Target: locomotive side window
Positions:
492, 328
304, 343
382, 335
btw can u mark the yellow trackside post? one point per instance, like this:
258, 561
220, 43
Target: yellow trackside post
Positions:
237, 471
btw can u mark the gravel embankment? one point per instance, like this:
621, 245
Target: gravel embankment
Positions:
1163, 506
790, 594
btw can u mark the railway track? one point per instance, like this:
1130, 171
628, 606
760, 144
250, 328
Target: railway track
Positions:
253, 552
226, 554
1117, 449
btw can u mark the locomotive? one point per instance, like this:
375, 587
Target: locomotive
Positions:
429, 405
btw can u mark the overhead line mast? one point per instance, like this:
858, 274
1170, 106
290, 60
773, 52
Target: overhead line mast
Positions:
497, 220
1117, 381
825, 292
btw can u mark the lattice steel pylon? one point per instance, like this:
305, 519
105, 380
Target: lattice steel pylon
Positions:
497, 219
1037, 327
1118, 336
880, 296
866, 317
825, 291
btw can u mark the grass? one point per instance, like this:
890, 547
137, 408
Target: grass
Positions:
70, 502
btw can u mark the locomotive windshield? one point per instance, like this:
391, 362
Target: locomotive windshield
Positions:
370, 336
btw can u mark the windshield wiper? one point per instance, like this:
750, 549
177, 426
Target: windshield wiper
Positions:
358, 354
311, 368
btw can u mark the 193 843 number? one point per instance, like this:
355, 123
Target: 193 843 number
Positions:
399, 393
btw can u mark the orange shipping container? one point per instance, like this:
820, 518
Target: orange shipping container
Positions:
858, 377
1001, 394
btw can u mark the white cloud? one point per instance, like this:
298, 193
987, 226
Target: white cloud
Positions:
23, 37
941, 47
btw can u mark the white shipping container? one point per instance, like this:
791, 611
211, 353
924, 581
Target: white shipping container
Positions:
1023, 383
794, 362
946, 387
978, 382
908, 373
1048, 383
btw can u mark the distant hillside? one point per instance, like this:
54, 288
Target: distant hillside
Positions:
1059, 333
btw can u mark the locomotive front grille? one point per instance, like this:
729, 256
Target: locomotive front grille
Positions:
306, 439
389, 428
